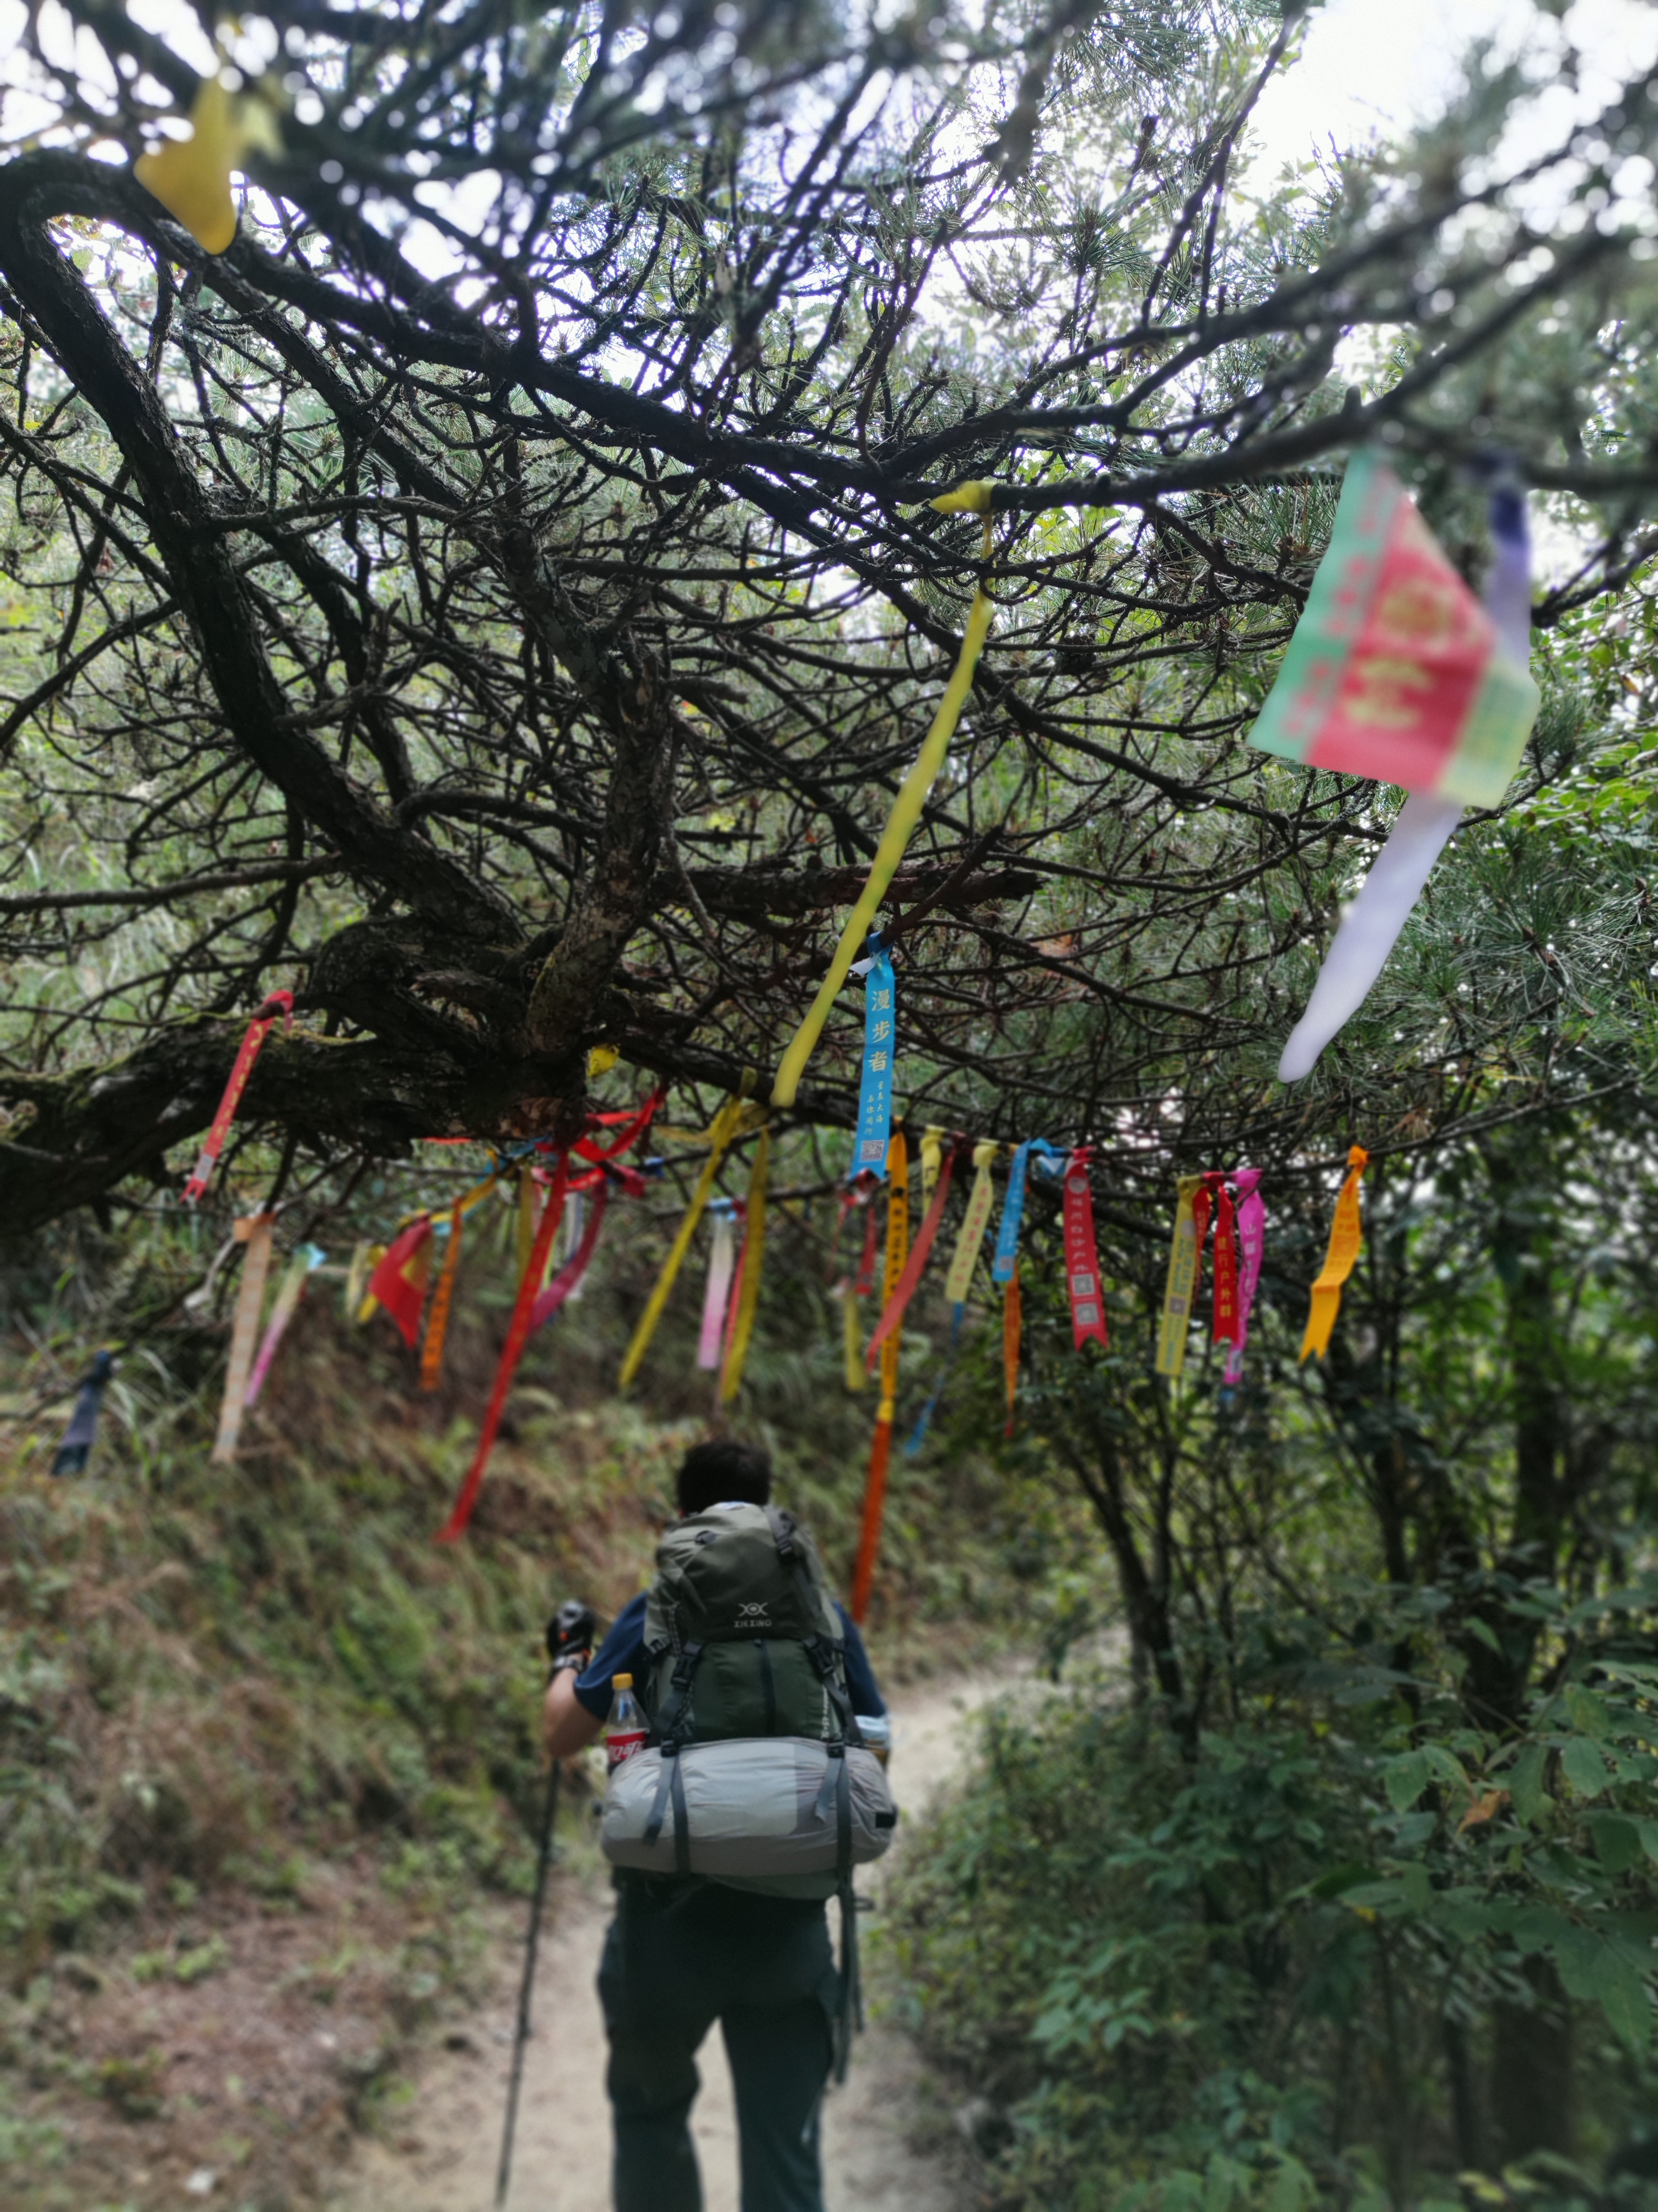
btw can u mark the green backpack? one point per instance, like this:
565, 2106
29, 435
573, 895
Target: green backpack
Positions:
742, 1637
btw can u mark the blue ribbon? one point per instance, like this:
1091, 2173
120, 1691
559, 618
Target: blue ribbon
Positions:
1049, 1157
869, 1154
73, 1453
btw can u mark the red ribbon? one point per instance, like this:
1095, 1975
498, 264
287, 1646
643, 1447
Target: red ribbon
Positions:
1227, 1322
399, 1285
914, 1265
517, 1336
637, 1123
1082, 1254
207, 1160
570, 1274
869, 1535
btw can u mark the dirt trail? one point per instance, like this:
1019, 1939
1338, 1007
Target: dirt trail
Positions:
442, 2157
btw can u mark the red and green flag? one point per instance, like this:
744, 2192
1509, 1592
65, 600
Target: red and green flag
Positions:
1396, 671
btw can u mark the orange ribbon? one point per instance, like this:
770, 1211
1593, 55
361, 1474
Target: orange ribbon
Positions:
1347, 1236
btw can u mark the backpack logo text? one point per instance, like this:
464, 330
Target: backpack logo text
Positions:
753, 1616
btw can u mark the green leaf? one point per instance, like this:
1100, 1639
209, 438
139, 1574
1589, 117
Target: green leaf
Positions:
1405, 1779
1624, 2000
1588, 1713
1617, 1841
1647, 1831
1531, 1799
1583, 1767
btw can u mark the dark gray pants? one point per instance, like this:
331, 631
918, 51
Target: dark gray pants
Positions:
678, 1958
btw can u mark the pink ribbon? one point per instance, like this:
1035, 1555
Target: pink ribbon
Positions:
567, 1280
1252, 1243
722, 1262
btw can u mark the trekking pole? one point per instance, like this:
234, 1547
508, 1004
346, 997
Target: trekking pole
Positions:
570, 1643
521, 2032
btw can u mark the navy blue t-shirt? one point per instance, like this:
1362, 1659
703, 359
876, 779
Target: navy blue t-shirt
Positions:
622, 1652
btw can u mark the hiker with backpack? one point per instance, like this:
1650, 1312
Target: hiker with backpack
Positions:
747, 1807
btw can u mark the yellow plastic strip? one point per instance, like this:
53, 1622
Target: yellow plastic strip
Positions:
1347, 1236
725, 1126
1182, 1275
753, 1253
901, 823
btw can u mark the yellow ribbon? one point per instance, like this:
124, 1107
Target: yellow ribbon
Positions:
959, 1281
367, 1305
191, 177
1182, 1275
972, 499
932, 1160
724, 1129
1347, 1236
601, 1060
897, 1253
753, 1253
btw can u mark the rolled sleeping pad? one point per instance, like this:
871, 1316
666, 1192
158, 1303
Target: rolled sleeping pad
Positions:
758, 1812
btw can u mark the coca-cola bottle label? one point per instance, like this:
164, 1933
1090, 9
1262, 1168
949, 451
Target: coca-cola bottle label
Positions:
622, 1745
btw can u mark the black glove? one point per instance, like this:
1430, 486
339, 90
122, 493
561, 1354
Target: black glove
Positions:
570, 1635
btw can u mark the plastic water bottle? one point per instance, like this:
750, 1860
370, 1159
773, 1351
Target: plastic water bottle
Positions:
625, 1730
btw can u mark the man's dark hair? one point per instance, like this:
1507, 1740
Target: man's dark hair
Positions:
717, 1473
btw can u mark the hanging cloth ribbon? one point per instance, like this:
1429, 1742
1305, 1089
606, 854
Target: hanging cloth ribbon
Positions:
517, 1335
898, 1300
959, 1281
631, 1126
75, 1446
253, 1230
257, 1030
357, 1273
747, 1295
1007, 1237
1346, 1235
1182, 1280
400, 1279
725, 1125
932, 1160
857, 1288
869, 1153
1252, 1244
875, 1488
437, 1321
367, 1305
722, 1260
290, 1292
1225, 1327
968, 499
1082, 1256
1396, 671
568, 1280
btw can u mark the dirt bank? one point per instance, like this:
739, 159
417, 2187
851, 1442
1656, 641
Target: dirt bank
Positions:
889, 2146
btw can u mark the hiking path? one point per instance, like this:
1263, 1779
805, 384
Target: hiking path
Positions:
888, 2146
